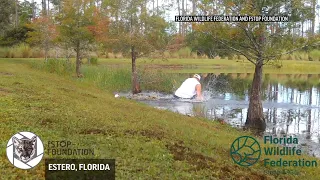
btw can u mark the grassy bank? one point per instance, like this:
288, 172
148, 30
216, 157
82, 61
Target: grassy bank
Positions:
113, 78
119, 79
221, 66
147, 143
210, 65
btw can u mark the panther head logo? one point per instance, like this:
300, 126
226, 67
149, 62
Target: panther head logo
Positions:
24, 148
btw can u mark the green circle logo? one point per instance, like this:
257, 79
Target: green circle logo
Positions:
245, 151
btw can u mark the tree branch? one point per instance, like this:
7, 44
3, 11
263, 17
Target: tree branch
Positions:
255, 45
237, 50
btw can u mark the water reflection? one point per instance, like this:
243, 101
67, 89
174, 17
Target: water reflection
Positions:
291, 104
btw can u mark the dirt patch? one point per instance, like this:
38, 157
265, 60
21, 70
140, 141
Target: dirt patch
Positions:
65, 89
5, 74
16, 83
234, 169
208, 126
152, 134
45, 122
93, 131
4, 91
253, 175
199, 161
89, 95
183, 153
108, 132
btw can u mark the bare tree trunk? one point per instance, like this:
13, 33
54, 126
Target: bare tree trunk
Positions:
16, 13
178, 1
302, 24
78, 60
46, 51
194, 7
274, 120
255, 120
134, 76
33, 9
309, 116
157, 7
48, 7
314, 16
183, 24
44, 7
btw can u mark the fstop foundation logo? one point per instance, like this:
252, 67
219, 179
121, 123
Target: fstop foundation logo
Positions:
25, 150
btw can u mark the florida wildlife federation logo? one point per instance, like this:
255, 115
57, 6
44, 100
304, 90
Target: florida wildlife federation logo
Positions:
245, 151
25, 150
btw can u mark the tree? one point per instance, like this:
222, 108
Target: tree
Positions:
6, 10
57, 5
14, 17
14, 36
75, 26
137, 32
255, 41
25, 12
202, 43
44, 33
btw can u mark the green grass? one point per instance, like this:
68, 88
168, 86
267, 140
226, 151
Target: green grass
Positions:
213, 65
221, 66
147, 143
113, 78
58, 66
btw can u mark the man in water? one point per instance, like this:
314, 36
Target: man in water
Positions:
190, 89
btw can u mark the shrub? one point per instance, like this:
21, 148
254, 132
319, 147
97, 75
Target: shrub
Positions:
315, 54
166, 54
230, 57
118, 55
93, 61
158, 81
184, 52
37, 53
11, 54
61, 67
2, 53
194, 55
7, 53
110, 55
26, 52
174, 55
112, 79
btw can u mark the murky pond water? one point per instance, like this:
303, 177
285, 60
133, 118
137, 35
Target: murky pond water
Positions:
291, 104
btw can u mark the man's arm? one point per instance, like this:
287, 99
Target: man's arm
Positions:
199, 95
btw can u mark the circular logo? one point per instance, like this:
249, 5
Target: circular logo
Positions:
245, 151
25, 150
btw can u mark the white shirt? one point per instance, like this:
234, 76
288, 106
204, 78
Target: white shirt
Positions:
187, 88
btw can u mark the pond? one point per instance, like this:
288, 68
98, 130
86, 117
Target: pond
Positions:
290, 102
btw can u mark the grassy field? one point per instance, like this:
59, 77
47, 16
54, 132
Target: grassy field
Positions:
147, 143
221, 66
210, 65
